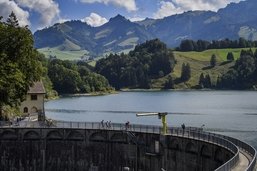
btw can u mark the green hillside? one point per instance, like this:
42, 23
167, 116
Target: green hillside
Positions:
63, 54
199, 63
205, 55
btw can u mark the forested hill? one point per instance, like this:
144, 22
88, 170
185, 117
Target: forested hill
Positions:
119, 34
149, 60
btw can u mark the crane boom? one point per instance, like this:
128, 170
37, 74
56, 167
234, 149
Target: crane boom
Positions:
147, 114
161, 115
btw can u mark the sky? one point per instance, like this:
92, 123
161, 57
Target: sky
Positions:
38, 14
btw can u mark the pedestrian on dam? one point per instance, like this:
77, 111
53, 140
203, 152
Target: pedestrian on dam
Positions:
102, 123
183, 128
127, 125
109, 124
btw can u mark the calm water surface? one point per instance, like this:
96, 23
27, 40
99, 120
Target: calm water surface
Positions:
232, 113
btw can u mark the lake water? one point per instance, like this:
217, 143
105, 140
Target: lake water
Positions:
232, 113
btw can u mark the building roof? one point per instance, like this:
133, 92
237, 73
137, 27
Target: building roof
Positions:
37, 88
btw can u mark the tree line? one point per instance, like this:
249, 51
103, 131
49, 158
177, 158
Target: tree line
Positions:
148, 60
201, 45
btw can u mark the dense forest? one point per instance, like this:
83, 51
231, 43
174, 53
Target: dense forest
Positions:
201, 45
70, 77
148, 60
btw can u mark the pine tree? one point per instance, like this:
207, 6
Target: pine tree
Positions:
188, 72
201, 80
219, 82
242, 43
208, 81
12, 20
169, 84
213, 60
230, 56
185, 72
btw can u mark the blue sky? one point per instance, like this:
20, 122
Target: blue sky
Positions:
39, 14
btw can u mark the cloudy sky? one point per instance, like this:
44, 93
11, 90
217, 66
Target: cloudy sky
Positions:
42, 13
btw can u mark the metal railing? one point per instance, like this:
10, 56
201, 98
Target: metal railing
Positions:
229, 143
247, 148
199, 134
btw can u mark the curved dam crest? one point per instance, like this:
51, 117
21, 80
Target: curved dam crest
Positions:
79, 147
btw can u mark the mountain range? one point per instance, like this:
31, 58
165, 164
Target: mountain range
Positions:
120, 34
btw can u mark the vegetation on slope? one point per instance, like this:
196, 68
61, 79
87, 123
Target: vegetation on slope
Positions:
70, 77
243, 75
133, 70
64, 54
149, 60
200, 64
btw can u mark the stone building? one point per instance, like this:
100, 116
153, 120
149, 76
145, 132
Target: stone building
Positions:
34, 103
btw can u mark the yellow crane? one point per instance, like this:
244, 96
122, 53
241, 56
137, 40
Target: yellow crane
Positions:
161, 115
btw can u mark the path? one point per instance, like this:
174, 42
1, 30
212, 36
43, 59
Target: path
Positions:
243, 162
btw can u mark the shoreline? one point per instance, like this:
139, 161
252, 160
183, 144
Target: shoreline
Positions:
156, 90
138, 90
89, 94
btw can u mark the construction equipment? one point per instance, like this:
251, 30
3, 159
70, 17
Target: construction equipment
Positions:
161, 115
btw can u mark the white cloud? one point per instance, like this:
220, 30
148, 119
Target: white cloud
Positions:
63, 20
171, 7
6, 7
133, 19
129, 5
48, 10
167, 9
95, 20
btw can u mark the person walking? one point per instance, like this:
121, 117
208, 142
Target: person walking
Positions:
183, 128
126, 125
109, 124
102, 123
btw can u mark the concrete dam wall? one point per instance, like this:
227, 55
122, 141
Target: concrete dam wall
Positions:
65, 149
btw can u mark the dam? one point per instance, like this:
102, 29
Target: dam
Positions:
92, 146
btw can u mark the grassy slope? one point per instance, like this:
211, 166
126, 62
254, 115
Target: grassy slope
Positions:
205, 55
63, 55
199, 62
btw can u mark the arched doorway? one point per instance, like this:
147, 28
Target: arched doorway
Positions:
25, 110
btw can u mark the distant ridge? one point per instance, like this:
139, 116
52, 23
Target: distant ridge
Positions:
120, 34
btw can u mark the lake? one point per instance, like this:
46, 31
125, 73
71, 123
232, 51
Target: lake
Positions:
232, 113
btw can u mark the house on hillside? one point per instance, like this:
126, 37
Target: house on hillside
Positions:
34, 103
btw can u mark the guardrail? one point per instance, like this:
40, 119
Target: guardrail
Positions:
199, 134
190, 132
244, 147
